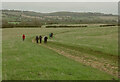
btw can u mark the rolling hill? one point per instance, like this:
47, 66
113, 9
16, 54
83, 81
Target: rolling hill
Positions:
65, 17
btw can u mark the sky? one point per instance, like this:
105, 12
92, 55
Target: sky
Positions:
47, 7
60, 0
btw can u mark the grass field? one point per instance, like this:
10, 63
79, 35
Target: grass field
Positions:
72, 54
0, 54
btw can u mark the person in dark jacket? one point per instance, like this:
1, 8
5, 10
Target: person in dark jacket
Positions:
45, 39
40, 37
37, 39
51, 35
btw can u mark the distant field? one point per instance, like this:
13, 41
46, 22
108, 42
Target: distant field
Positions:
73, 53
35, 18
13, 22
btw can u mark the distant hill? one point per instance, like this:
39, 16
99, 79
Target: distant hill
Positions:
30, 17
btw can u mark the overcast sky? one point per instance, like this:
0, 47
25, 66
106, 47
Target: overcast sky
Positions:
46, 7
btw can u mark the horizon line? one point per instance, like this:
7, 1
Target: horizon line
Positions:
60, 11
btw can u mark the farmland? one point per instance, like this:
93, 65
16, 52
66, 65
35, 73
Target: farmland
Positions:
88, 53
16, 18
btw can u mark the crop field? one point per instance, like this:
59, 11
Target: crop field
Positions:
89, 53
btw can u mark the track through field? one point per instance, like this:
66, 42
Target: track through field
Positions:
84, 58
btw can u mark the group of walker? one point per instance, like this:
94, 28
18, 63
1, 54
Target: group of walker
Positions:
45, 38
40, 38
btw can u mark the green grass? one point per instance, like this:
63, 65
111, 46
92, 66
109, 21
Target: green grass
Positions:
30, 61
14, 22
100, 39
0, 55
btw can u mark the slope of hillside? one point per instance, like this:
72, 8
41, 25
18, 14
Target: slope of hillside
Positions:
28, 17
